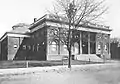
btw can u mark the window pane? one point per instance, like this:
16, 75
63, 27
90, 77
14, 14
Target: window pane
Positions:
84, 36
92, 47
84, 47
54, 46
92, 37
65, 47
24, 47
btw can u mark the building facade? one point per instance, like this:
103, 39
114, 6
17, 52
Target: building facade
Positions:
45, 39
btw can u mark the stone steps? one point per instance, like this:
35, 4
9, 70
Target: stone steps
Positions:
89, 57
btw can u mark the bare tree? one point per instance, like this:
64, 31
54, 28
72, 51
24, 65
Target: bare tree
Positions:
77, 13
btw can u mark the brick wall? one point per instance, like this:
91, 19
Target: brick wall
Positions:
13, 46
38, 45
28, 48
4, 49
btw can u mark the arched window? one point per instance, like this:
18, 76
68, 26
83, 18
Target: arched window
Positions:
65, 47
76, 48
54, 46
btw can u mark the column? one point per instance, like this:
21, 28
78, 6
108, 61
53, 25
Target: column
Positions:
59, 43
102, 45
88, 42
47, 43
109, 44
80, 42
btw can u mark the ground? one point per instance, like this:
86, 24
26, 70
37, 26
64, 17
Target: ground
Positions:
79, 74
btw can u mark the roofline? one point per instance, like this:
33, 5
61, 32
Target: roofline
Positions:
18, 33
5, 35
38, 21
56, 21
46, 18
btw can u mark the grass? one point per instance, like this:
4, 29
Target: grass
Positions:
23, 64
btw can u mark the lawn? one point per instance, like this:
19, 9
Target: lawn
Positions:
29, 63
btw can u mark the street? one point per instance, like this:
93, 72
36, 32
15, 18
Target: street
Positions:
87, 75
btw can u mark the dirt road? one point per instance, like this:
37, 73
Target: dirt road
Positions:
88, 75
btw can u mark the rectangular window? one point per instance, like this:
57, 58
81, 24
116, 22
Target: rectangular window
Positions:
92, 47
84, 42
24, 47
92, 37
29, 47
85, 36
92, 43
84, 47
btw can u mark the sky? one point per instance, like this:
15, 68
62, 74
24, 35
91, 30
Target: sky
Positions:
24, 11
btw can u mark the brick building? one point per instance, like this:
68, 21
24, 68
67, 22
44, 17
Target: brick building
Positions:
42, 40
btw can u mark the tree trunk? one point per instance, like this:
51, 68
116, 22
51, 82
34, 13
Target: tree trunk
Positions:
69, 61
69, 43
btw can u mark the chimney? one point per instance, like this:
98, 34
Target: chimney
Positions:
35, 19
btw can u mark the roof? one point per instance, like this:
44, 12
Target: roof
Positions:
52, 18
21, 25
24, 29
20, 29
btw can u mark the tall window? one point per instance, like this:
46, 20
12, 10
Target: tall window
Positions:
92, 43
65, 47
76, 41
85, 42
54, 46
76, 48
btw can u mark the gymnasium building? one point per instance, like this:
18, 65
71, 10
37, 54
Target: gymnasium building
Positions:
44, 39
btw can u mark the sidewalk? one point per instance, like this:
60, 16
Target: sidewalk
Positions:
18, 71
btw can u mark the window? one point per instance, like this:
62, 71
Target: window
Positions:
33, 48
38, 47
84, 47
65, 47
85, 36
99, 47
84, 42
15, 45
106, 46
92, 47
76, 34
92, 37
53, 31
24, 47
92, 43
29, 47
54, 46
76, 48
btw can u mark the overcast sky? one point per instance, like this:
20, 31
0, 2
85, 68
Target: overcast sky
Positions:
23, 11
